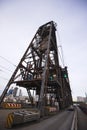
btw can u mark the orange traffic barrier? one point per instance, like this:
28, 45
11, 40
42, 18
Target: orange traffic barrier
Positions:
11, 105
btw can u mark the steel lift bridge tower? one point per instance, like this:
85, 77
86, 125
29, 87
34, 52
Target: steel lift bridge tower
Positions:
39, 69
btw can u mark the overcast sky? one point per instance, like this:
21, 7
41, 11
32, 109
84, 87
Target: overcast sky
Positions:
19, 21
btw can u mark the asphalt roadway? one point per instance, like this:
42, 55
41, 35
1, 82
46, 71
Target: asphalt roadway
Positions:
61, 121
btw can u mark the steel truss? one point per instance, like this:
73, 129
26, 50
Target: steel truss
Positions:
39, 69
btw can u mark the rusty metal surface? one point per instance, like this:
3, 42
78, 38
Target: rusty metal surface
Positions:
39, 69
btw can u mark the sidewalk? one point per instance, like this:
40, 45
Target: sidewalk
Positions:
82, 119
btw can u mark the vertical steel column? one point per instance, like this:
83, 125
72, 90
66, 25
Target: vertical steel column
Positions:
41, 100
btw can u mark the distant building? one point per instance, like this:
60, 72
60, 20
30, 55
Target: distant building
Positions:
15, 91
80, 99
20, 93
10, 92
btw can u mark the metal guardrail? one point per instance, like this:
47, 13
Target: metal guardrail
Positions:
74, 122
20, 117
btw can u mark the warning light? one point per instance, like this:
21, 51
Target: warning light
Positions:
65, 76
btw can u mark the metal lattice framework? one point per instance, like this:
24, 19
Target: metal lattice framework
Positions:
39, 67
